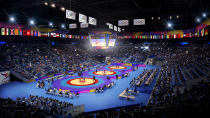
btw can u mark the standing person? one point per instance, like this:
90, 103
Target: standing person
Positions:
48, 81
52, 80
81, 74
117, 77
107, 78
94, 78
133, 68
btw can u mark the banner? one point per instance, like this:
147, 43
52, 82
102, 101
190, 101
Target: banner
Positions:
12, 32
70, 15
28, 33
2, 31
119, 29
139, 22
83, 25
110, 26
115, 28
92, 21
16, 31
72, 26
82, 18
123, 22
24, 32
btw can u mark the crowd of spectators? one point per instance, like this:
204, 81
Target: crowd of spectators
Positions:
33, 107
170, 96
35, 61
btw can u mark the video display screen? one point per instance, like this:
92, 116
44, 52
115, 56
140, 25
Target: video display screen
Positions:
112, 42
102, 40
98, 42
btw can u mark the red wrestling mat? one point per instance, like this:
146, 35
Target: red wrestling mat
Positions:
82, 81
104, 72
117, 67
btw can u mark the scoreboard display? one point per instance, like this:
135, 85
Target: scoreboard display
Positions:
102, 40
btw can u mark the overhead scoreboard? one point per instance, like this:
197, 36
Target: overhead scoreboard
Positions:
102, 40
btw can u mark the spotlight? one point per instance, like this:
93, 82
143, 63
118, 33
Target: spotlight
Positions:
198, 20
152, 18
158, 18
169, 25
177, 16
146, 47
45, 3
31, 22
12, 19
123, 29
204, 15
51, 24
63, 26
62, 8
170, 17
53, 5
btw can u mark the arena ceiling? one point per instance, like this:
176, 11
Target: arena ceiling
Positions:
108, 11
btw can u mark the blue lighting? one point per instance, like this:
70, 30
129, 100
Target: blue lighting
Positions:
53, 43
183, 43
209, 43
74, 43
204, 15
147, 43
2, 42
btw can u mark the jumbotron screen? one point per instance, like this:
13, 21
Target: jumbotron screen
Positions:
102, 40
98, 42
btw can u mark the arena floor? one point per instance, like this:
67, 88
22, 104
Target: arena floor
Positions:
92, 101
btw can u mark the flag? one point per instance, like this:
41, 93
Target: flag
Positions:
175, 36
16, 32
54, 34
190, 34
57, 35
2, 31
32, 33
7, 31
28, 33
12, 32
35, 33
20, 32
44, 34
167, 36
24, 32
50, 34
67, 36
206, 32
202, 32
39, 34
178, 35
